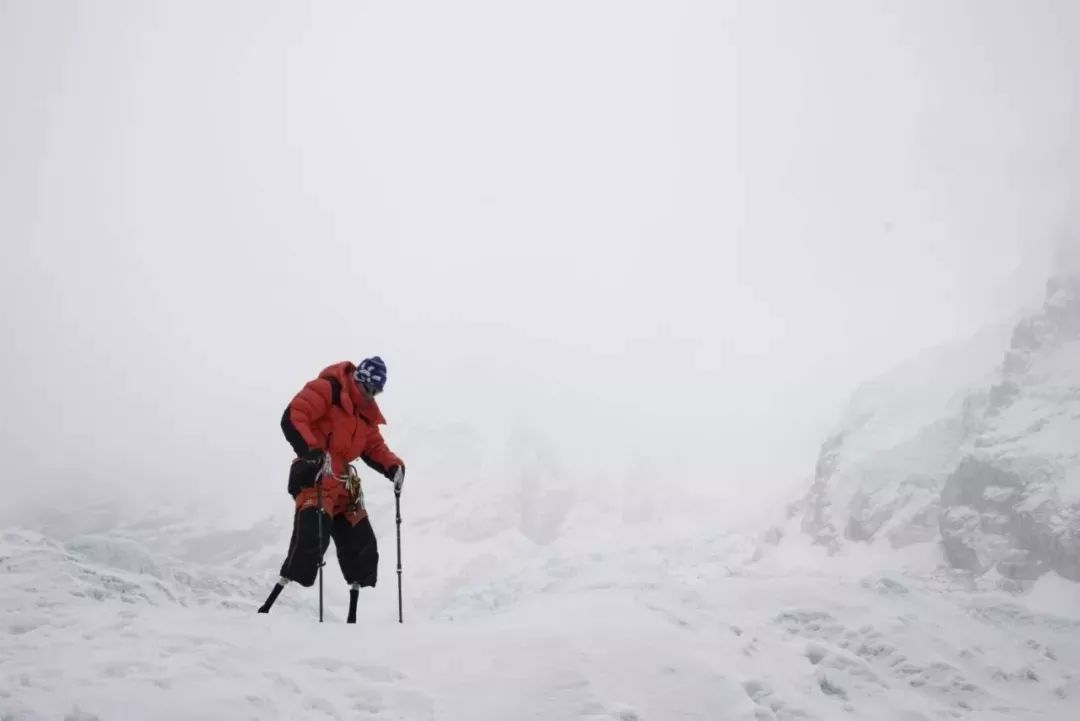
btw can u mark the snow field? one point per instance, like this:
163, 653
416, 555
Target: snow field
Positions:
103, 628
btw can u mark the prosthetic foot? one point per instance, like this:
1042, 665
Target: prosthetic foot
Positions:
354, 592
274, 593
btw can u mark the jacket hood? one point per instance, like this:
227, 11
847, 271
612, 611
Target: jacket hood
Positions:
360, 402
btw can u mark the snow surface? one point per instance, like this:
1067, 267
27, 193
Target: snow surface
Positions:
617, 622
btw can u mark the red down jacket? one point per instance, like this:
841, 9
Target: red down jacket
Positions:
334, 414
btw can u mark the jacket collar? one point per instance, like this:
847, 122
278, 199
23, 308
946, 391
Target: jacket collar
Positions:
353, 398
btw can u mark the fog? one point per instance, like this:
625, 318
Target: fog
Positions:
655, 241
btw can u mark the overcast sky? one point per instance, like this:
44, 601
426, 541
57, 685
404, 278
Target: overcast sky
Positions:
662, 235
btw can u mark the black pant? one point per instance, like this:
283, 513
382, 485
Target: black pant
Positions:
357, 551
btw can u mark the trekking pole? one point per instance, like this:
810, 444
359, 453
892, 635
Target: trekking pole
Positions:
319, 511
318, 495
397, 505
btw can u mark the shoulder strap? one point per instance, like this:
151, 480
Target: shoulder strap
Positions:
335, 391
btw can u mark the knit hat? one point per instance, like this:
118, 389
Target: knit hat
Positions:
371, 375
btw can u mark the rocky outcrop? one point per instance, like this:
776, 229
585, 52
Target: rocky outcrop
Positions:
879, 477
975, 446
998, 519
1014, 503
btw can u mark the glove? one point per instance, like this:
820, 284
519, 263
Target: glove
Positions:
397, 475
314, 456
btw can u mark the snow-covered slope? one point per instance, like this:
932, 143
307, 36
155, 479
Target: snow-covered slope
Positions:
1014, 503
976, 445
538, 599
110, 627
881, 473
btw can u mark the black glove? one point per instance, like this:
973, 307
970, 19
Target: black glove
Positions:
397, 475
305, 470
314, 456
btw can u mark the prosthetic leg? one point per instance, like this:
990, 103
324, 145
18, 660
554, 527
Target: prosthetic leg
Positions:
274, 593
354, 593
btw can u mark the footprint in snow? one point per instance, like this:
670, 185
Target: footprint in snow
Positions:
283, 681
79, 715
377, 674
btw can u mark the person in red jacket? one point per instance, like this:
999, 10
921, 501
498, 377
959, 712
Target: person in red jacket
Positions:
332, 421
